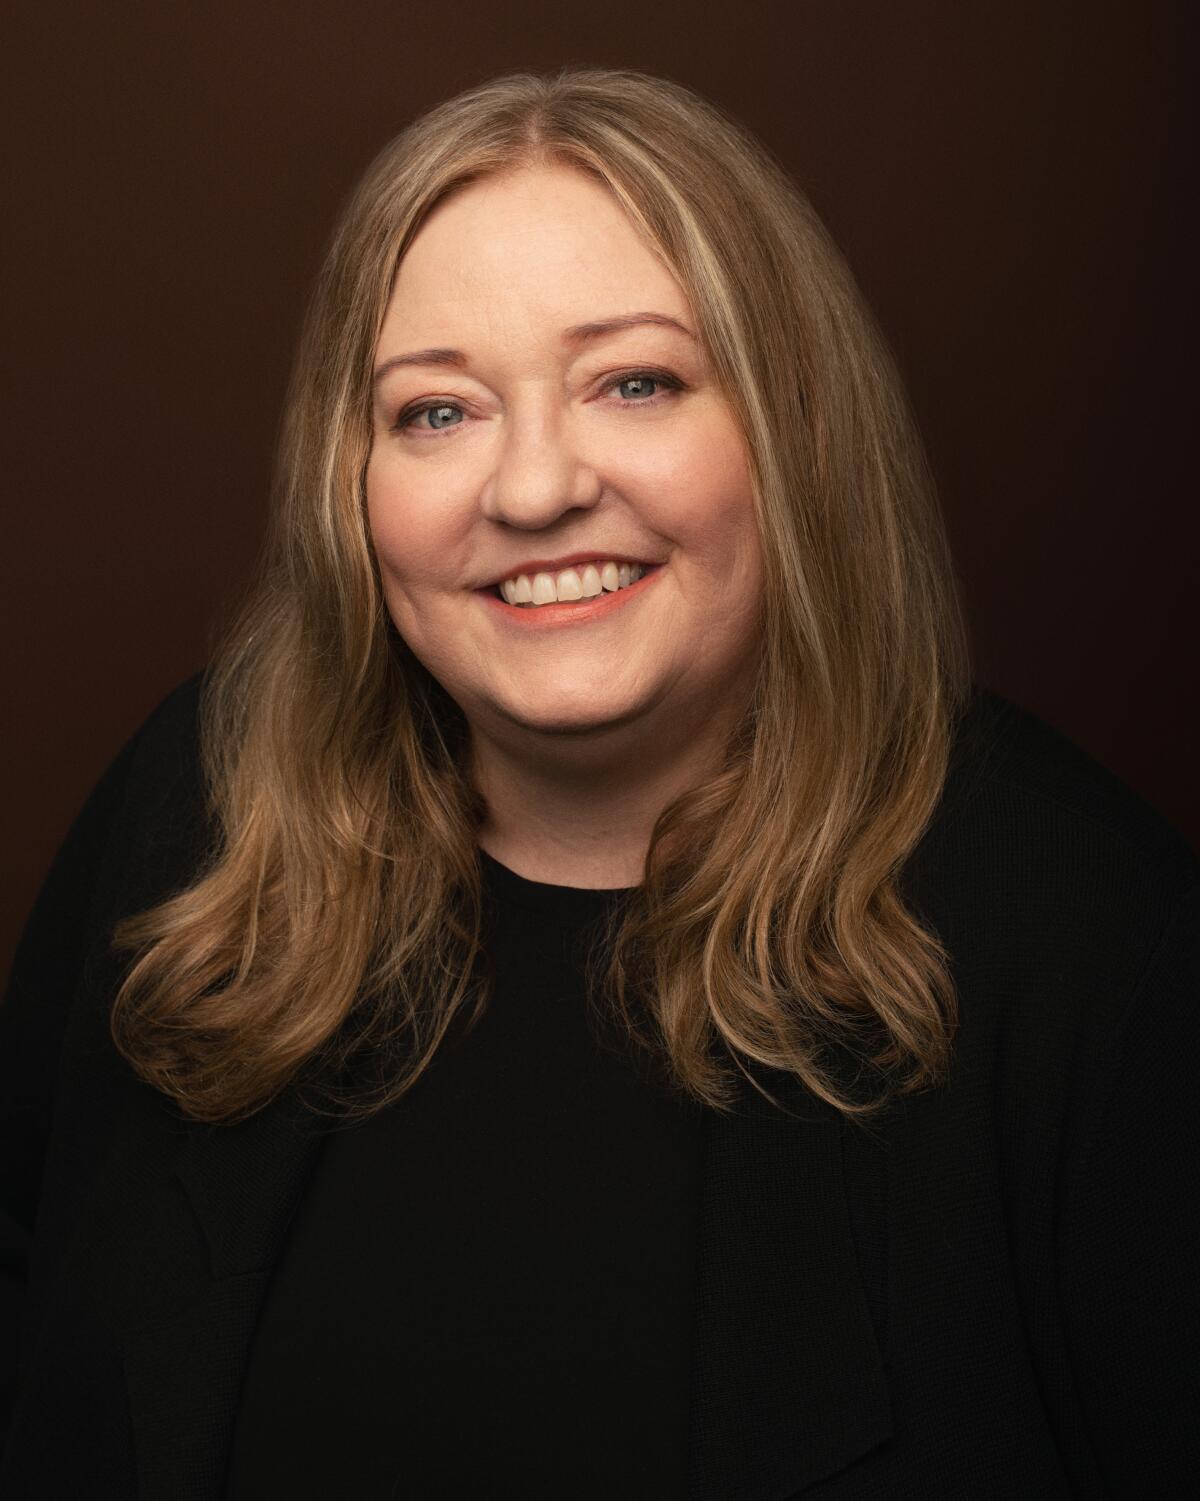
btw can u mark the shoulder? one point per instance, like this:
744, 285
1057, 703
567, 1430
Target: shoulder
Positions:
142, 828
166, 743
163, 828
135, 838
1027, 809
1055, 888
1037, 786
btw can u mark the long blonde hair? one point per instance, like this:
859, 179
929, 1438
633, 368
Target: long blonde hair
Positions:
338, 912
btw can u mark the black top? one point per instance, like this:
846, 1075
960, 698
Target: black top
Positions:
486, 1290
992, 1293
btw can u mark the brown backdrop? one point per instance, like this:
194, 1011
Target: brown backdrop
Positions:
1007, 180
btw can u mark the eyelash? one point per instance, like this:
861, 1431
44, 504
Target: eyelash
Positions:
672, 384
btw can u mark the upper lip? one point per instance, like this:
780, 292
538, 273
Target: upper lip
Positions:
570, 560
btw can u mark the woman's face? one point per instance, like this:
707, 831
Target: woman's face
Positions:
518, 432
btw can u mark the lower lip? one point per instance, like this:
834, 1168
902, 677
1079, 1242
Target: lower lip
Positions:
547, 617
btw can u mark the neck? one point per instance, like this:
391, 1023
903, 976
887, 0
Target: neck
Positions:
579, 809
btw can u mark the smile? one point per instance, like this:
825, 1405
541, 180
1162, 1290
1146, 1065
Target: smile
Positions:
578, 611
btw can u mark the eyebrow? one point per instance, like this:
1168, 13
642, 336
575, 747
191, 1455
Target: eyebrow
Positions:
578, 333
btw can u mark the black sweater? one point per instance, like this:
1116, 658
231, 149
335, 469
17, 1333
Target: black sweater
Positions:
484, 1276
993, 1293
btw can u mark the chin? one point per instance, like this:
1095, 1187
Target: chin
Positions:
569, 716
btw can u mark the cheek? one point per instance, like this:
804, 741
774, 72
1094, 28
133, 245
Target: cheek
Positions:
399, 561
408, 531
706, 502
384, 515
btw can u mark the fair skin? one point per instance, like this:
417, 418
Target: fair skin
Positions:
538, 447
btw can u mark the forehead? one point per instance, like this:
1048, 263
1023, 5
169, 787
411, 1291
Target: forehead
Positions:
537, 249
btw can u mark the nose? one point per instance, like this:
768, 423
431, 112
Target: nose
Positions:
539, 474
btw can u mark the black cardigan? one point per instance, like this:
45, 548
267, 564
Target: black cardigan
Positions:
992, 1293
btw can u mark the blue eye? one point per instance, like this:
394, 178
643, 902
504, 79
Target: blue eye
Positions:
444, 415
644, 378
436, 409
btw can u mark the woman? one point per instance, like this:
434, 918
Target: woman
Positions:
584, 996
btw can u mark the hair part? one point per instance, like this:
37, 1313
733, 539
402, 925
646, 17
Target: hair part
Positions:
333, 934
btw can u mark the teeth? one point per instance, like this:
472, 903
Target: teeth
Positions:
543, 589
570, 584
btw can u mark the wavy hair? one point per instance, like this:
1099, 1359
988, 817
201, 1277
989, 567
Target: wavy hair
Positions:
337, 916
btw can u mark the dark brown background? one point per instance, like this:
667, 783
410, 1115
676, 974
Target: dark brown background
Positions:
1007, 180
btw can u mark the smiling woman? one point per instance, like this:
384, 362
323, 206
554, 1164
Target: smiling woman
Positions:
608, 442
585, 996
577, 335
